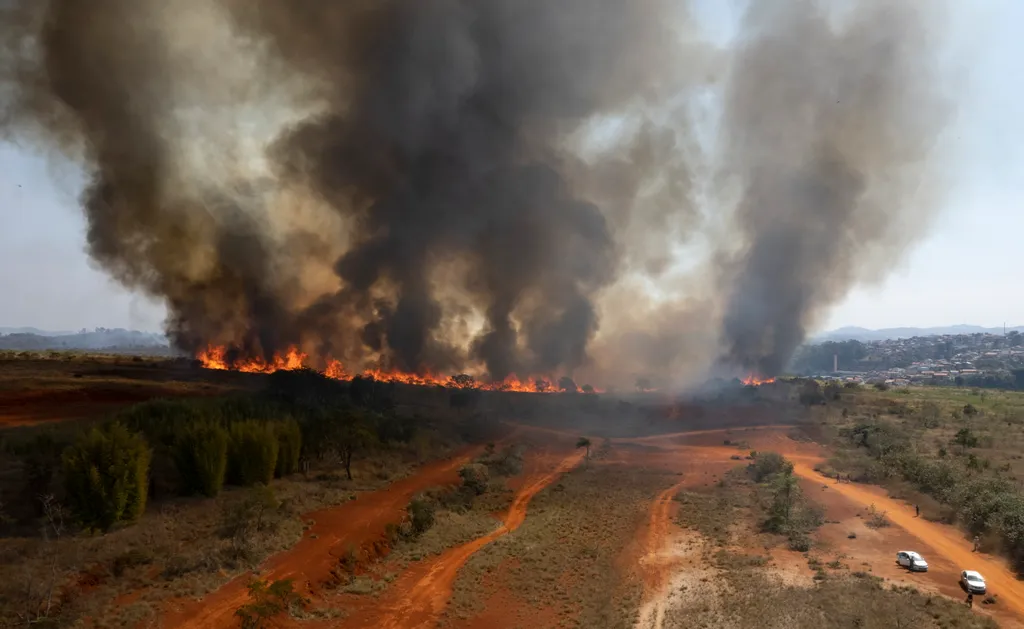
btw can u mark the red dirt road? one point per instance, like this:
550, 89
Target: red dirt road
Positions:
943, 542
942, 539
419, 597
309, 563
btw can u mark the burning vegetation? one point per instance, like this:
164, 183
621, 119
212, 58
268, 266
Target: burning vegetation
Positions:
486, 187
221, 358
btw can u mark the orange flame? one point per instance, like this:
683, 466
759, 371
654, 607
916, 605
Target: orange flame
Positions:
215, 357
754, 380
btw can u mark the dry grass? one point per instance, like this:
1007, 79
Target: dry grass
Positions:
178, 549
567, 556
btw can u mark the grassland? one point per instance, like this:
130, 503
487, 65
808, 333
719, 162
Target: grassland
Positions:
958, 453
569, 563
747, 579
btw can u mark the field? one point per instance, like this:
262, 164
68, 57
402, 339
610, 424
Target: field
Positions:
512, 510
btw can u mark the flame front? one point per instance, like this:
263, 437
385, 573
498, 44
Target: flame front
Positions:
754, 380
216, 357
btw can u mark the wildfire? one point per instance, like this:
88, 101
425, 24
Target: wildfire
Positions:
754, 380
216, 357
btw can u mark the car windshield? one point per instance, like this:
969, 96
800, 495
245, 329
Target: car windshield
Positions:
971, 577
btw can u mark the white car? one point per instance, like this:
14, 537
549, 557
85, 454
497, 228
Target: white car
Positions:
973, 582
911, 561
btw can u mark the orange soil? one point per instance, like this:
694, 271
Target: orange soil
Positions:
357, 524
945, 547
419, 597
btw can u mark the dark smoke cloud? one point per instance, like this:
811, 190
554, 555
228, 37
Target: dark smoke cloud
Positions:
416, 182
828, 125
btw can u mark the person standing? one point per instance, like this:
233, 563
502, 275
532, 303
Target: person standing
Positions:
977, 542
970, 600
917, 511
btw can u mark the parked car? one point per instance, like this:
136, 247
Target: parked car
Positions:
911, 561
973, 582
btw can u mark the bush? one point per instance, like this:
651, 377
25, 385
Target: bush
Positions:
289, 447
106, 476
252, 453
767, 464
421, 514
474, 477
201, 457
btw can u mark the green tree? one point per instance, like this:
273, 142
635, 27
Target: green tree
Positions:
200, 454
965, 439
289, 447
785, 493
252, 453
970, 411
106, 476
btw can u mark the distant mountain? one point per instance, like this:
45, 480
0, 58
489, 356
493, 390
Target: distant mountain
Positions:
33, 331
864, 334
98, 339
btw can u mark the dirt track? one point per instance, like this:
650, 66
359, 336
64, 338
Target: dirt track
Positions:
936, 540
309, 562
421, 595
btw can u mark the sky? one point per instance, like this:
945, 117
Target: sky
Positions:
966, 270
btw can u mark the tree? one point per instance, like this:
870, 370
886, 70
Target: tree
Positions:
289, 447
200, 454
252, 453
106, 476
462, 381
643, 384
970, 411
584, 443
266, 601
355, 435
785, 493
589, 390
567, 385
965, 439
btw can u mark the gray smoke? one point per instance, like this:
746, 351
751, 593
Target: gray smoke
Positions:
415, 183
828, 125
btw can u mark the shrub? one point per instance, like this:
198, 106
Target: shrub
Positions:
289, 442
201, 456
106, 476
252, 453
474, 476
767, 464
421, 514
267, 599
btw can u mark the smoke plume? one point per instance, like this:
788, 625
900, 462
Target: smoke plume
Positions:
828, 124
447, 185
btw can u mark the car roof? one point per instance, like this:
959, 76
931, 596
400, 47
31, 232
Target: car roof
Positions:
911, 553
973, 573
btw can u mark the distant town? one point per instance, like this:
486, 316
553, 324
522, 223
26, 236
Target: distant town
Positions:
981, 359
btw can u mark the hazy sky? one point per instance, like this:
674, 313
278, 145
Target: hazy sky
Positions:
966, 271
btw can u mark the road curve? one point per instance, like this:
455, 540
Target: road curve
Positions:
942, 539
424, 598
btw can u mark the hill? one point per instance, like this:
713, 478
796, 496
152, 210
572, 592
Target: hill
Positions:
853, 333
99, 339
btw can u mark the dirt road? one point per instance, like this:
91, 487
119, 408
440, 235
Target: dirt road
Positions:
655, 565
309, 563
421, 595
942, 539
